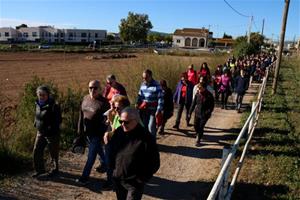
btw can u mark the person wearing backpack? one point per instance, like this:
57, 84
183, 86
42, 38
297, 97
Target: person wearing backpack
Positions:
133, 156
47, 122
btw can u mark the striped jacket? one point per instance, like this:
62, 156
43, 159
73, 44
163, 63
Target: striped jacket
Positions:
152, 94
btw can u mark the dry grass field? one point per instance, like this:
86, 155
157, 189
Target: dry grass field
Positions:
75, 70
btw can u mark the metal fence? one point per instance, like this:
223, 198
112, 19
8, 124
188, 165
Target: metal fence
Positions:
221, 188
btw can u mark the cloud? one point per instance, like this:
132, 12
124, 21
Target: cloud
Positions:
8, 22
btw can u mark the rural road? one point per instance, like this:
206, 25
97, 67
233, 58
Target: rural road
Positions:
186, 172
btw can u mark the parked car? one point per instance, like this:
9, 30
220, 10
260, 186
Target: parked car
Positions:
44, 46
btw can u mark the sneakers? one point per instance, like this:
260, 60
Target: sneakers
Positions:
101, 168
82, 181
107, 185
37, 174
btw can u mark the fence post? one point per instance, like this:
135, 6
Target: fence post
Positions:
252, 118
224, 186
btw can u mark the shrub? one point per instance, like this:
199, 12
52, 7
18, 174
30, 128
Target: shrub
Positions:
70, 106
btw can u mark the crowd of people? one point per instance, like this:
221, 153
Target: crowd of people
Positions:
124, 136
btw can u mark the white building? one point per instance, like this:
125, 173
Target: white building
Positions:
191, 37
8, 34
50, 34
84, 35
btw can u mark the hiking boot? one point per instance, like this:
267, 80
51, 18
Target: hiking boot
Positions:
101, 168
176, 126
82, 181
37, 174
53, 173
107, 185
197, 144
161, 132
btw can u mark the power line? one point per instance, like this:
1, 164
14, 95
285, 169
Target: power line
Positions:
236, 10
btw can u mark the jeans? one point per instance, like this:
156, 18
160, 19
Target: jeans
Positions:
148, 119
109, 171
239, 100
95, 147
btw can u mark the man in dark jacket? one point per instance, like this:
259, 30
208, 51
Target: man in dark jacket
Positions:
47, 122
133, 156
92, 124
241, 86
203, 104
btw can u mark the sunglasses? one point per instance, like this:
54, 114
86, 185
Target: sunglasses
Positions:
117, 108
95, 88
125, 122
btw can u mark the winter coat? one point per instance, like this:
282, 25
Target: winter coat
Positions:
133, 155
203, 104
241, 85
47, 118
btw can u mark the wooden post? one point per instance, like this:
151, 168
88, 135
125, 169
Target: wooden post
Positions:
224, 186
252, 119
281, 44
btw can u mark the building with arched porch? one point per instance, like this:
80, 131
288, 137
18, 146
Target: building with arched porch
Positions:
191, 37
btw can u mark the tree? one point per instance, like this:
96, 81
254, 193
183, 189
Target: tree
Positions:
135, 27
21, 26
227, 36
241, 47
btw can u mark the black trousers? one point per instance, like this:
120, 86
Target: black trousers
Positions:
224, 98
199, 124
179, 113
129, 189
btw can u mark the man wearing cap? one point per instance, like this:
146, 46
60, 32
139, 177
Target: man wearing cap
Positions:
92, 124
47, 122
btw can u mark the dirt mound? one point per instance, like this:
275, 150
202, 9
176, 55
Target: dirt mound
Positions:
111, 56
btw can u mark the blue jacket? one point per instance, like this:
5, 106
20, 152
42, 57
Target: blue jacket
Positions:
189, 93
241, 85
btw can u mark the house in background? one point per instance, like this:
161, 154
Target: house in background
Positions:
191, 38
8, 34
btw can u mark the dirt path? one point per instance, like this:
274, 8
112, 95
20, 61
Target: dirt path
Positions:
186, 172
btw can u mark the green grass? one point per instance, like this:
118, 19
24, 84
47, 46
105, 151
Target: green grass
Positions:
272, 168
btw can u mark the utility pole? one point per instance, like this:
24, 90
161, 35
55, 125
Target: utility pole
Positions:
281, 43
249, 31
263, 26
